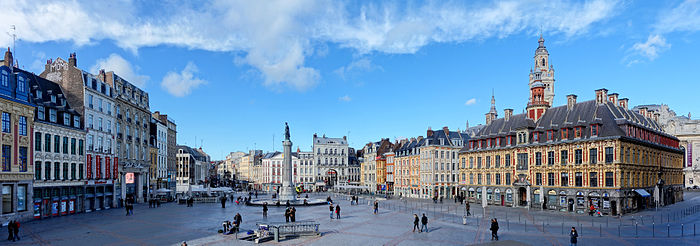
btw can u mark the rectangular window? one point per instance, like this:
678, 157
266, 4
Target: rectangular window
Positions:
37, 170
47, 170
478, 179
488, 162
578, 156
80, 171
564, 134
471, 162
72, 146
56, 171
72, 171
41, 112
81, 147
47, 144
6, 158
550, 158
538, 178
594, 130
564, 179
56, 144
37, 141
507, 178
522, 161
593, 156
23, 159
22, 197
471, 178
65, 171
6, 122
498, 161
593, 176
538, 159
577, 132
608, 179
498, 179
23, 126
488, 178
578, 179
76, 121
7, 196
478, 162
66, 119
52, 115
564, 157
507, 160
550, 135
609, 152
65, 145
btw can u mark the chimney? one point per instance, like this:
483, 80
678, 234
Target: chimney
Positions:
8, 58
429, 133
656, 116
72, 60
315, 135
102, 75
623, 103
650, 114
508, 113
570, 101
488, 118
643, 111
613, 98
345, 138
446, 130
601, 95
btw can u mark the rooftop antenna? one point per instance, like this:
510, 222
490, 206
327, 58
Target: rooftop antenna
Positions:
14, 38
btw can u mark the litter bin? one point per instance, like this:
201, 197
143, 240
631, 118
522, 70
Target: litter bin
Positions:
464, 220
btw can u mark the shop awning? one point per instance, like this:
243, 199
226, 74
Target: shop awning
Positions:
642, 192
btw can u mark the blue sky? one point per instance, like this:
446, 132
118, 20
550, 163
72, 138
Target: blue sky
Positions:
232, 72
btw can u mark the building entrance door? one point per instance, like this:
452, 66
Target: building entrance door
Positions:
522, 196
571, 205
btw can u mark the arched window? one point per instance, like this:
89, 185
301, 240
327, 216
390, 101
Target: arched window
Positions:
543, 64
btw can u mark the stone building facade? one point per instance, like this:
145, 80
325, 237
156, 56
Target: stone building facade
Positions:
92, 98
570, 157
438, 163
59, 155
16, 162
171, 146
407, 168
331, 160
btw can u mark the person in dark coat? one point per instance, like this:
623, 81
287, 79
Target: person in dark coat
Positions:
265, 210
376, 207
574, 236
416, 221
424, 221
331, 209
494, 229
293, 214
15, 230
237, 220
468, 207
223, 202
10, 231
337, 211
286, 215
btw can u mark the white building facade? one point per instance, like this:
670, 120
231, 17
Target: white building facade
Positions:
331, 160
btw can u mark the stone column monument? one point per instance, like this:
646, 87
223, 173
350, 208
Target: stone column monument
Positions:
287, 191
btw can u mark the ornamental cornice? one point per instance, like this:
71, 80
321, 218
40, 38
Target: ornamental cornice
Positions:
17, 176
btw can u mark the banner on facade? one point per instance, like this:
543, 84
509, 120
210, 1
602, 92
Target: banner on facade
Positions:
129, 178
690, 155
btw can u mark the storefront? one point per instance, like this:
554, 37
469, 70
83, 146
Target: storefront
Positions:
57, 201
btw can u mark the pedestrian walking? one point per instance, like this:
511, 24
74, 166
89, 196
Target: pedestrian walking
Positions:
416, 221
376, 206
494, 229
10, 231
265, 210
574, 236
337, 211
293, 214
287, 214
331, 208
424, 221
468, 207
126, 206
15, 230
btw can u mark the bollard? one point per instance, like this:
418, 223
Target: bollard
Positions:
636, 231
682, 230
525, 225
606, 222
618, 230
668, 230
562, 228
518, 218
543, 226
508, 224
693, 229
653, 232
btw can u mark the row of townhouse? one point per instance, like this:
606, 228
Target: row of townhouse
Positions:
593, 153
69, 144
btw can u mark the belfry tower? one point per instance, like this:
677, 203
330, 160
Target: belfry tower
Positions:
543, 72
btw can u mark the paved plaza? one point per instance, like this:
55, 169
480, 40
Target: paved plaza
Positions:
171, 224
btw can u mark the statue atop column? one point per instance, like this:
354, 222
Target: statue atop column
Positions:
286, 131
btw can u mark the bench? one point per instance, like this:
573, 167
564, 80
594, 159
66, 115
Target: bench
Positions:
284, 230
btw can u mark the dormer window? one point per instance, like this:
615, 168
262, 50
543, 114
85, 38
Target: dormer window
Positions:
21, 84
4, 78
564, 134
38, 94
577, 132
53, 98
594, 130
535, 137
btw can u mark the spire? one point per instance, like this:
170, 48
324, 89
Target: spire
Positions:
541, 40
493, 103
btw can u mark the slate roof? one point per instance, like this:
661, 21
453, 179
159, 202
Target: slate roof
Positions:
196, 154
609, 116
47, 89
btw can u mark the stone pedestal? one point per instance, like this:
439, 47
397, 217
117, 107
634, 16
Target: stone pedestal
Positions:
287, 190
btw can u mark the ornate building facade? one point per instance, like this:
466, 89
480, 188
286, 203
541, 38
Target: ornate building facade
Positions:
569, 157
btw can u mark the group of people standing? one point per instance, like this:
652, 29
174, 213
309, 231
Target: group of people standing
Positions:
230, 228
154, 203
289, 213
13, 230
129, 205
335, 208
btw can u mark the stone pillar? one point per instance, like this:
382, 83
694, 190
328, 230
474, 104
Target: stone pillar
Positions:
287, 190
139, 186
122, 176
528, 199
484, 202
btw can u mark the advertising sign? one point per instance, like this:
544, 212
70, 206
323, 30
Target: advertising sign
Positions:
54, 208
64, 207
71, 206
37, 210
129, 178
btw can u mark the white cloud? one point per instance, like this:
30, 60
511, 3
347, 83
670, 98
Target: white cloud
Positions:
276, 37
345, 98
470, 102
684, 17
181, 84
649, 49
121, 67
360, 65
